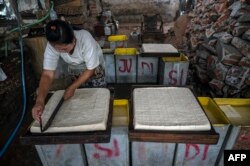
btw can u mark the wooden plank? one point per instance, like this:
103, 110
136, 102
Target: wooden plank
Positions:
70, 138
70, 10
200, 137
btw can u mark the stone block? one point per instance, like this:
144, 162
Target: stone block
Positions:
202, 74
246, 35
244, 18
211, 62
236, 76
239, 30
237, 8
220, 71
244, 62
227, 54
242, 45
216, 86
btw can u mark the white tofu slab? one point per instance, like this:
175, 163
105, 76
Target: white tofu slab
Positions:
168, 108
87, 110
159, 48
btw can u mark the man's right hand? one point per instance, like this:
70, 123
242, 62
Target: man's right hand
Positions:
37, 111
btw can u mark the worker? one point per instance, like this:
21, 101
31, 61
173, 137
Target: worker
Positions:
82, 54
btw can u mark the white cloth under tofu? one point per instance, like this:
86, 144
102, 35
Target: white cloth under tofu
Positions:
87, 110
168, 108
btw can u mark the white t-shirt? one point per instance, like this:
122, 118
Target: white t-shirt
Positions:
87, 52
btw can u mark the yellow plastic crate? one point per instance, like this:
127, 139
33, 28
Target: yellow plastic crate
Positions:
120, 113
237, 110
182, 57
214, 113
115, 38
125, 51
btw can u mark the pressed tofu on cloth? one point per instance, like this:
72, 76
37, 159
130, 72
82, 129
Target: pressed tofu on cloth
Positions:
87, 110
168, 108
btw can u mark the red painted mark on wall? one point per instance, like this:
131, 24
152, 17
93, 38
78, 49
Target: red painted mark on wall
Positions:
204, 156
173, 76
197, 151
244, 137
108, 152
126, 65
149, 66
59, 150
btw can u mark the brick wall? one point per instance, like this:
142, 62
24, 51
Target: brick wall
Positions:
218, 44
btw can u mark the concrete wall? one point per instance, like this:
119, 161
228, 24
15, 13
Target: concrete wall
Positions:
131, 10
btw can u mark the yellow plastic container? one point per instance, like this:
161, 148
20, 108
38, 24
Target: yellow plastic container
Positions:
125, 51
182, 57
236, 102
214, 113
120, 112
115, 38
237, 110
118, 41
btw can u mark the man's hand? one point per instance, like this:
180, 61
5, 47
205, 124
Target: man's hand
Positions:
37, 110
69, 92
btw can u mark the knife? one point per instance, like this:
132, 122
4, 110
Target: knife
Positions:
46, 126
40, 123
